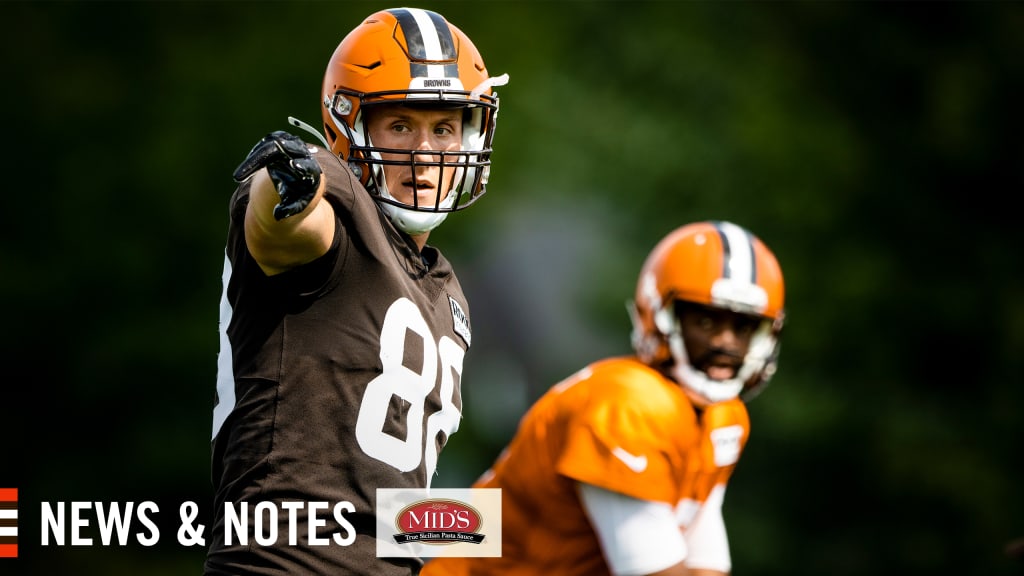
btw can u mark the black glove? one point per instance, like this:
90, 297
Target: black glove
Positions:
292, 168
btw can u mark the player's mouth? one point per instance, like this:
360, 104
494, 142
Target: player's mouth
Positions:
721, 372
721, 365
424, 191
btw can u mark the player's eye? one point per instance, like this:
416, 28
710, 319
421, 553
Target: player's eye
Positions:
745, 325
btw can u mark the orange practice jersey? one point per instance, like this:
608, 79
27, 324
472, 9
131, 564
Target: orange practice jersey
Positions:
617, 424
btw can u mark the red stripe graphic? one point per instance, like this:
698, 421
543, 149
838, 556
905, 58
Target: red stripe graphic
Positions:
9, 497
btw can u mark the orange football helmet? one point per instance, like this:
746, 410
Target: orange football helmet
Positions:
716, 264
411, 56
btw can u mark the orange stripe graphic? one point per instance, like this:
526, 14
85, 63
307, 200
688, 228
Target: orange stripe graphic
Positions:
8, 501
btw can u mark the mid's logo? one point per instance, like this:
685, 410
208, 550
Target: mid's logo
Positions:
435, 522
8, 522
439, 521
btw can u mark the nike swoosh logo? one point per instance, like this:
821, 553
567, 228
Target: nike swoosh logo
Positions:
633, 462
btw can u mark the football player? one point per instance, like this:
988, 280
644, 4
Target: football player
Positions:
342, 331
622, 467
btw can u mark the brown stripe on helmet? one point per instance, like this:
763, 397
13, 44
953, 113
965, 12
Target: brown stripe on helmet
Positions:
728, 249
414, 36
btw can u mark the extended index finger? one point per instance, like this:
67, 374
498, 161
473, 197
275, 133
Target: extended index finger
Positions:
274, 147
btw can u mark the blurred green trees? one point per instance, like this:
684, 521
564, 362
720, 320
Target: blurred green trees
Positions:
874, 146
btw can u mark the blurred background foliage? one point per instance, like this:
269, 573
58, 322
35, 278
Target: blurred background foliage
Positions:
875, 146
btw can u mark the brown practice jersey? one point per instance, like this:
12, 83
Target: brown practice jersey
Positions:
334, 379
619, 425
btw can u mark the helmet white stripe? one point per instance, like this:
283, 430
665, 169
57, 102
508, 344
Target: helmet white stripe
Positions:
428, 33
738, 253
429, 40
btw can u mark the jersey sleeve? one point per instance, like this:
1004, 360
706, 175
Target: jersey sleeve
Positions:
628, 432
342, 184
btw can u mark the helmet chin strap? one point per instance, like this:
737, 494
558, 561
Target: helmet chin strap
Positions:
487, 84
413, 222
300, 124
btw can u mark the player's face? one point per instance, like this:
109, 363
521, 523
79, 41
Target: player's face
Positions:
408, 128
716, 340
